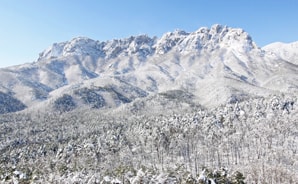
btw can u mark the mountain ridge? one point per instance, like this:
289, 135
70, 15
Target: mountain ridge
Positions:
209, 63
202, 38
285, 51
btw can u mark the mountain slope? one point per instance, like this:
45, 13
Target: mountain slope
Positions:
215, 65
285, 51
9, 104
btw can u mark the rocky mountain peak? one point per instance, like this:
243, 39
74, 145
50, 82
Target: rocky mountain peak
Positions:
212, 62
76, 46
142, 45
219, 36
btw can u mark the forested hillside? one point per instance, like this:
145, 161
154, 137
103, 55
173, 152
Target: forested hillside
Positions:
253, 141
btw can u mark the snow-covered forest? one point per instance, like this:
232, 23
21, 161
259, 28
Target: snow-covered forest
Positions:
208, 106
253, 141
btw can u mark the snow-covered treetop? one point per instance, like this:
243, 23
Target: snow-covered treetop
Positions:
204, 38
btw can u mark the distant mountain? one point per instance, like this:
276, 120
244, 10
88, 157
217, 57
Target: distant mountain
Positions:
286, 51
213, 65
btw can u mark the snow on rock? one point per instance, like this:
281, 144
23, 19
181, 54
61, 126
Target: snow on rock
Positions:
203, 38
141, 45
77, 46
169, 40
218, 37
81, 46
210, 63
53, 51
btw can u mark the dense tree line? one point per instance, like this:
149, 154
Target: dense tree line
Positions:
254, 141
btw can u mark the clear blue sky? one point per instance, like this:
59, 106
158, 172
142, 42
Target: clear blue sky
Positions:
30, 26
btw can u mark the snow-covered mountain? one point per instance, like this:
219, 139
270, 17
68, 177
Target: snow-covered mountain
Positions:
216, 65
285, 51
